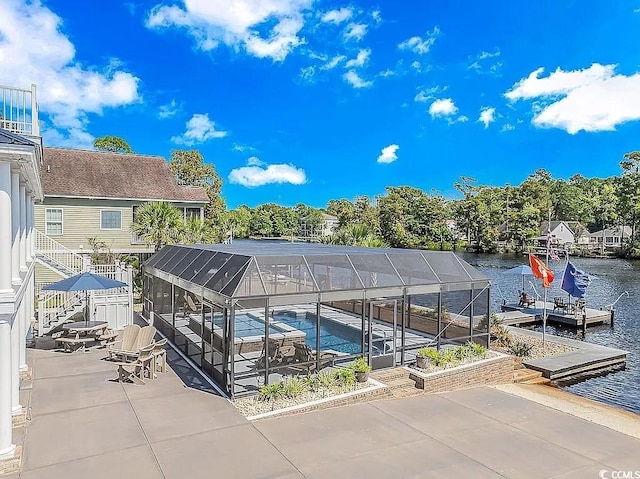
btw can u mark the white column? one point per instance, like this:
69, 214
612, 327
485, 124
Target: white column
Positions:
23, 227
29, 243
15, 227
16, 408
7, 448
32, 241
6, 255
24, 316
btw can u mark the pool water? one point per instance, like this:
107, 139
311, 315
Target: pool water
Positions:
247, 326
332, 335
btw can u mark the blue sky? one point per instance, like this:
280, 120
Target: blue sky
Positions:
305, 101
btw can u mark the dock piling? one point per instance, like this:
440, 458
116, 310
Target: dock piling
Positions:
613, 314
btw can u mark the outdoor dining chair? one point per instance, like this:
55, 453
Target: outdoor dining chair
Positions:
136, 372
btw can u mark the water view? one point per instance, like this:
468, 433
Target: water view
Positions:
614, 276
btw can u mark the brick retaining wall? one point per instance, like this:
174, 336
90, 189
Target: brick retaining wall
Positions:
483, 373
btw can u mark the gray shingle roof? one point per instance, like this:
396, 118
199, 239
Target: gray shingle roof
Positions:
86, 173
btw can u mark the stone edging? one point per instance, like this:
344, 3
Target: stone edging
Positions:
376, 385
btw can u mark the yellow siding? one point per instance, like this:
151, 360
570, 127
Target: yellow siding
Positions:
45, 275
81, 220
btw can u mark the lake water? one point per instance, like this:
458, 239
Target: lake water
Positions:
614, 276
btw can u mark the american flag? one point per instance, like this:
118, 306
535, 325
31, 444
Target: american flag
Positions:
552, 252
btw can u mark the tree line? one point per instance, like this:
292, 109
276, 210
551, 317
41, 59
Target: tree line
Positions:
408, 217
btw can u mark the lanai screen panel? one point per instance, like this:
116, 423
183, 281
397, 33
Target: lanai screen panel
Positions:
285, 274
375, 270
334, 272
413, 268
447, 267
197, 265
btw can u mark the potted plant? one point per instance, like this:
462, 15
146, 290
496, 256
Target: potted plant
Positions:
425, 356
361, 369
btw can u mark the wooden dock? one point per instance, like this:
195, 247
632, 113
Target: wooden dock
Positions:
590, 317
587, 359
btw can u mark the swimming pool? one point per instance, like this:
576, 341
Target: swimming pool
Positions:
332, 335
247, 326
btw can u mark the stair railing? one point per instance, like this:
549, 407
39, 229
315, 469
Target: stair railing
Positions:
57, 253
54, 305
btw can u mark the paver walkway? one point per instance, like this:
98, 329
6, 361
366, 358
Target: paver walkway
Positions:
83, 424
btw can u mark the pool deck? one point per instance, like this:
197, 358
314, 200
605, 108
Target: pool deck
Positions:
587, 359
84, 424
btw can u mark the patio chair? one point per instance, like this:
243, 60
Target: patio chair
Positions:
526, 300
304, 354
275, 355
560, 304
128, 342
136, 371
159, 357
143, 339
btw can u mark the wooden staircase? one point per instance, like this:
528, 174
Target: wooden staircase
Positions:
398, 382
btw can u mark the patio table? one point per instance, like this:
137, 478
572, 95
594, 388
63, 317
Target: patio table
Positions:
82, 332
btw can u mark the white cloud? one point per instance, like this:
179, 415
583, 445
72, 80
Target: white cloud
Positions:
168, 110
591, 99
258, 173
389, 154
423, 96
334, 62
420, 45
507, 127
462, 119
308, 73
242, 148
360, 60
337, 16
487, 63
33, 49
387, 73
637, 10
443, 107
265, 29
487, 116
355, 31
376, 16
199, 130
416, 65
355, 80
255, 161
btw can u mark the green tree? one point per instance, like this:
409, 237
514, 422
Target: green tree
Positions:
238, 221
629, 189
342, 209
158, 223
114, 144
196, 231
190, 169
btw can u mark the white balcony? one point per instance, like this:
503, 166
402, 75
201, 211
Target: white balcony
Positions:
19, 111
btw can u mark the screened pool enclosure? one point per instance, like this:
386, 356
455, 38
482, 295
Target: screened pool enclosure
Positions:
251, 312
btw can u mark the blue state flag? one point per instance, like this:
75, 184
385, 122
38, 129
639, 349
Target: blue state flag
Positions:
575, 281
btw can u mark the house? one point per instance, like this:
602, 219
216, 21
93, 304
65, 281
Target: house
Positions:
613, 237
563, 233
329, 224
92, 194
20, 188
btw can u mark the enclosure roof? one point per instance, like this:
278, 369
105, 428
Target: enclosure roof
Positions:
250, 269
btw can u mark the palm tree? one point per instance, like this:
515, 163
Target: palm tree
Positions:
158, 223
197, 231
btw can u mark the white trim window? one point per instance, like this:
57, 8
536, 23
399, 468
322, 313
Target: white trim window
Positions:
110, 219
53, 222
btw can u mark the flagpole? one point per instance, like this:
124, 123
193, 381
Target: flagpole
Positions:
544, 306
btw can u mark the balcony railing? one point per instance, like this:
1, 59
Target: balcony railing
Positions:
19, 110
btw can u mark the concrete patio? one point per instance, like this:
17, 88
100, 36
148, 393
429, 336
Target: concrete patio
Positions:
83, 424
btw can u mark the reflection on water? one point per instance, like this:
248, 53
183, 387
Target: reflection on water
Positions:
613, 277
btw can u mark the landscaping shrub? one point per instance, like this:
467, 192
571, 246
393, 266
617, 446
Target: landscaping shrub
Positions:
345, 377
270, 392
293, 387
